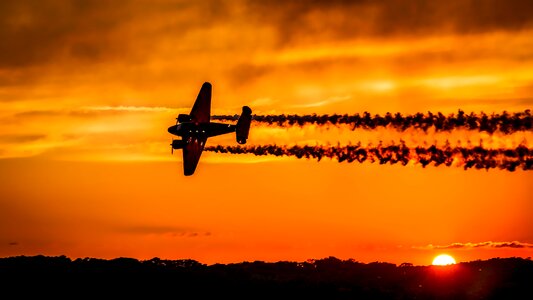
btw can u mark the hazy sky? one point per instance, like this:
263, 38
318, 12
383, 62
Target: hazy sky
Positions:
88, 89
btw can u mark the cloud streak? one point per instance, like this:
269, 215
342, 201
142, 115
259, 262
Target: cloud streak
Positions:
20, 138
131, 108
171, 231
92, 111
489, 244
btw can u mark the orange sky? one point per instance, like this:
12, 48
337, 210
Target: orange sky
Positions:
88, 89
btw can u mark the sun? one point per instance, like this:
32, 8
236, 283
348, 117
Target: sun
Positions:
443, 260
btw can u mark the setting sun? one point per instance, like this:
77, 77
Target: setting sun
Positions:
443, 260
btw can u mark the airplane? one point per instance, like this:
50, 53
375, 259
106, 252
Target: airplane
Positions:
195, 128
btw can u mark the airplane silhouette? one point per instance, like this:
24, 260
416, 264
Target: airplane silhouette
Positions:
195, 128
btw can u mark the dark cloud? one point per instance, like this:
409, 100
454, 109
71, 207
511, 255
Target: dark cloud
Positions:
40, 32
340, 19
69, 35
490, 244
35, 32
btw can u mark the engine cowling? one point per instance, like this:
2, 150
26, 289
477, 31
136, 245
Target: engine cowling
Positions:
178, 144
184, 118
243, 125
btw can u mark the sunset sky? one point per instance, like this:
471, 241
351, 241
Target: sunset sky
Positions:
89, 88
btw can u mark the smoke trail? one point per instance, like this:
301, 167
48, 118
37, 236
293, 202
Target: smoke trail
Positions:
506, 122
473, 157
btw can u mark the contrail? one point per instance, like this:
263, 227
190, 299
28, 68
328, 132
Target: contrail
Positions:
505, 122
471, 157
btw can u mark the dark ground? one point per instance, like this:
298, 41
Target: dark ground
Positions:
330, 278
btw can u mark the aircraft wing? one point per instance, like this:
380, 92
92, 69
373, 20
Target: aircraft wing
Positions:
201, 110
191, 154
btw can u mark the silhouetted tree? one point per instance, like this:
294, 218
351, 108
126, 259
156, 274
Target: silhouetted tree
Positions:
61, 277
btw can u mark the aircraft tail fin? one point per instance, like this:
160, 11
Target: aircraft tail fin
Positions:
243, 125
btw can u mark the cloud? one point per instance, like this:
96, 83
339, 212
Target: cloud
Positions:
145, 52
341, 19
395, 65
35, 32
489, 244
325, 102
171, 231
130, 108
20, 138
93, 111
39, 32
86, 132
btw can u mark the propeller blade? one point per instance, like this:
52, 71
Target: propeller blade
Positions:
172, 148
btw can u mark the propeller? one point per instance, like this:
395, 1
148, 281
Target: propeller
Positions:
172, 147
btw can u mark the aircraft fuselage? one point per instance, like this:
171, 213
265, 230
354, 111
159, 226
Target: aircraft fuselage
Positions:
190, 129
